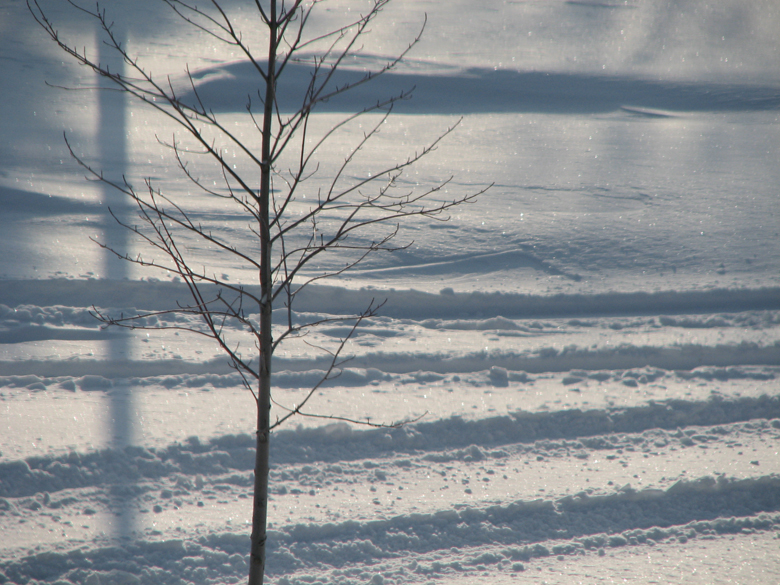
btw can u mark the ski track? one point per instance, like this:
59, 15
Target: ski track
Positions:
671, 441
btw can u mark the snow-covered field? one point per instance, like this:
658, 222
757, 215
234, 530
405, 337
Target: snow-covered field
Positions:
594, 344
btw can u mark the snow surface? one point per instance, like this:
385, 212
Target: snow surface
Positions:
594, 344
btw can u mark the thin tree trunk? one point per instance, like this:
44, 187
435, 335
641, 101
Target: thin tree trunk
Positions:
347, 204
262, 465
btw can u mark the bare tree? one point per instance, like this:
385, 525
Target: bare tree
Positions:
294, 224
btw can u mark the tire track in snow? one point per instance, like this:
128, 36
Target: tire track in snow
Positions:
522, 530
684, 357
479, 460
157, 295
591, 430
436, 317
569, 518
494, 536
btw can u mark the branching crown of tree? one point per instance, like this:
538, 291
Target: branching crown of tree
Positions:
299, 212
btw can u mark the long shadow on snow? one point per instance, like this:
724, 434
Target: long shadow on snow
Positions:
44, 333
40, 205
479, 90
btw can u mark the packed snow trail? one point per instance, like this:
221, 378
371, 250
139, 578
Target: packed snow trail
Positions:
551, 444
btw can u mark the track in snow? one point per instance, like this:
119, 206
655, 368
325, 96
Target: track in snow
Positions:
602, 427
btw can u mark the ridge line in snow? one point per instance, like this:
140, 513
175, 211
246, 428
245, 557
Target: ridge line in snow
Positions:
156, 295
